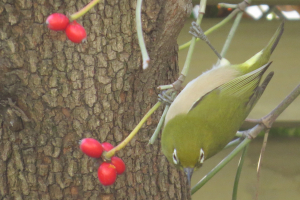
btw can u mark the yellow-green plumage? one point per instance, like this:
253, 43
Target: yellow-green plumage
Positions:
207, 113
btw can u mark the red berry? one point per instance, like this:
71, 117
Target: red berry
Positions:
119, 164
91, 147
57, 22
75, 32
107, 146
107, 174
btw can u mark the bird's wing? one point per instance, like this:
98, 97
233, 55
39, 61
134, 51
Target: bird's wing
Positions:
259, 91
242, 87
244, 84
198, 87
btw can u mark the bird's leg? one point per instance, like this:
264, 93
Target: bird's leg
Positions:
196, 31
166, 97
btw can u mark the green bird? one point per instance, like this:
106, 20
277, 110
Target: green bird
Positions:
208, 112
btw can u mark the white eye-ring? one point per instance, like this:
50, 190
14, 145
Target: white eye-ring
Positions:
201, 157
175, 158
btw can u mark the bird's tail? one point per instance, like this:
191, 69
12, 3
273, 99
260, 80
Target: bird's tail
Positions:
274, 40
262, 57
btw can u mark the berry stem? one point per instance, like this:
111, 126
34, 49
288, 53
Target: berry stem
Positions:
138, 20
84, 10
109, 154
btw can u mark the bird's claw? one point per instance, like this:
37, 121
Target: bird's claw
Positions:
166, 97
197, 32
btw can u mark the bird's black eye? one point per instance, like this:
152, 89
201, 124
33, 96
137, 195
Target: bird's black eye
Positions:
175, 158
201, 157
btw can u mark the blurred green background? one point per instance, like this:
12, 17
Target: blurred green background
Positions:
280, 175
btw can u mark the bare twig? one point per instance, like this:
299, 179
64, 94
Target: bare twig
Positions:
240, 9
212, 29
193, 42
217, 168
252, 133
262, 151
138, 20
238, 173
256, 121
159, 126
269, 119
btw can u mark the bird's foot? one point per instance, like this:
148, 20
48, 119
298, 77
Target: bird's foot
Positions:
197, 32
166, 97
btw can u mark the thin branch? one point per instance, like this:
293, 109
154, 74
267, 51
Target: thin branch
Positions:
256, 121
233, 143
217, 168
240, 8
231, 33
252, 133
238, 173
227, 5
269, 119
159, 126
138, 20
212, 29
262, 151
193, 42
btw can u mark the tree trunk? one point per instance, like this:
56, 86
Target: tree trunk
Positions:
96, 89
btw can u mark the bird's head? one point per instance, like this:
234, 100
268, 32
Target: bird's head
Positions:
182, 146
188, 160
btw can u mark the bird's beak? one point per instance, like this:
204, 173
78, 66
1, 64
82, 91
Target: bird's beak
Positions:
189, 172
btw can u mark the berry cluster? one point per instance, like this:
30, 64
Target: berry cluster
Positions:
60, 22
108, 171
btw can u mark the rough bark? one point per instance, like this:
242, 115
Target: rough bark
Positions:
71, 91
